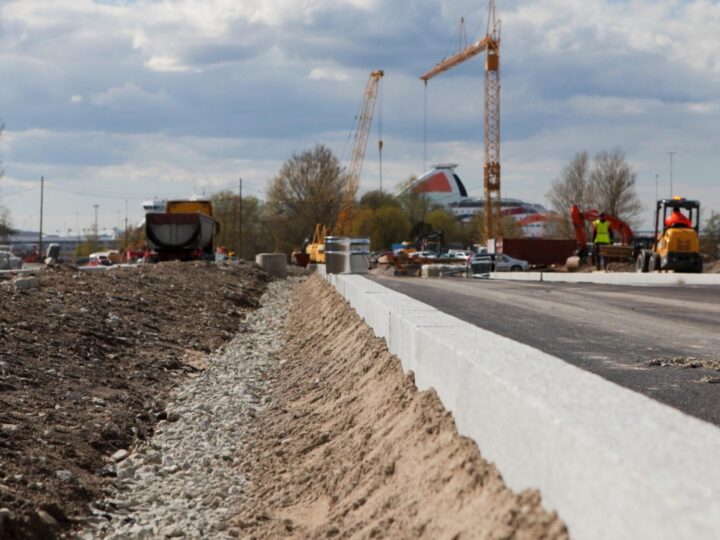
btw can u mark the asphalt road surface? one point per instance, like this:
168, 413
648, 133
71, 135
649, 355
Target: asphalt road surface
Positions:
617, 332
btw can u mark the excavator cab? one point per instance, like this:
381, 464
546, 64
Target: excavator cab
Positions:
676, 246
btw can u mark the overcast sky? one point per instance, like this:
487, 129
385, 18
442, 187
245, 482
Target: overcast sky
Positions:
115, 100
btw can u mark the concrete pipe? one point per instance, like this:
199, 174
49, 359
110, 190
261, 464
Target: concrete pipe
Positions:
274, 264
573, 263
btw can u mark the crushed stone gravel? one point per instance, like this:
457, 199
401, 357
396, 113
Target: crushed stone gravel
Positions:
184, 481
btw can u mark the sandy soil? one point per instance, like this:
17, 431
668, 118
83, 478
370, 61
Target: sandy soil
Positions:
86, 361
350, 449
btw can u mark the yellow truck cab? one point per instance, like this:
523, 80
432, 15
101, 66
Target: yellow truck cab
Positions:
189, 207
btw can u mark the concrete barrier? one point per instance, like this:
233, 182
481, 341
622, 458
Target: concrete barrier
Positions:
613, 463
274, 264
612, 278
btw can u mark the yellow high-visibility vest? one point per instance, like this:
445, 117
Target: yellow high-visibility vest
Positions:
602, 232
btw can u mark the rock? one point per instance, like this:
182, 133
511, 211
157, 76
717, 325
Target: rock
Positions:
107, 472
64, 475
55, 512
111, 430
9, 428
173, 416
127, 473
6, 517
47, 519
23, 283
173, 531
139, 532
119, 456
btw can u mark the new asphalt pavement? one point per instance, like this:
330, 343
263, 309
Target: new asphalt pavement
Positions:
642, 338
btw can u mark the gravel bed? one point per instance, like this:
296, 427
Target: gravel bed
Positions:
184, 482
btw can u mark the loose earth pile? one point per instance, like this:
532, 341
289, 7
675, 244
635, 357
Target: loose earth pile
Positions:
349, 448
86, 360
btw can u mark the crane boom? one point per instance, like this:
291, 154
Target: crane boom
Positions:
458, 58
491, 167
364, 123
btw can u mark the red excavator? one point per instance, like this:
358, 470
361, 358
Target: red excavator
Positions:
618, 228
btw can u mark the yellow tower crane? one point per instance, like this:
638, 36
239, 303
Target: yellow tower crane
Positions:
364, 123
491, 168
316, 249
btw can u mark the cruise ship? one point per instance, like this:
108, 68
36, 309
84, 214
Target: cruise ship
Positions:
443, 186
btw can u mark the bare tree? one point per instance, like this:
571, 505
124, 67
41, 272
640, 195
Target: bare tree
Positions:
613, 185
609, 187
307, 190
573, 187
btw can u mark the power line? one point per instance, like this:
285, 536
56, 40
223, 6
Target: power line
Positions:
12, 194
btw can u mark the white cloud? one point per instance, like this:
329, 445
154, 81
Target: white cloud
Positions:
640, 74
327, 74
169, 64
129, 96
613, 106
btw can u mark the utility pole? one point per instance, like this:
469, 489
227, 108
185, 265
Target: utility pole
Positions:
239, 239
126, 228
42, 193
671, 154
95, 225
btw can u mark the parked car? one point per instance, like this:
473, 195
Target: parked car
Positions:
423, 255
458, 254
99, 260
501, 262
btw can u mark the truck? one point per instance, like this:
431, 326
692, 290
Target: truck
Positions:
185, 231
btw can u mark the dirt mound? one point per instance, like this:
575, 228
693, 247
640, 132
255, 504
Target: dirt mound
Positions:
349, 448
85, 362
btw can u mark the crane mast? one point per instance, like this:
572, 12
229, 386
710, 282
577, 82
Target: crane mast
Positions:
364, 123
491, 167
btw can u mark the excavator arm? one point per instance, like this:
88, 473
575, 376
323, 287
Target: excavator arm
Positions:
580, 217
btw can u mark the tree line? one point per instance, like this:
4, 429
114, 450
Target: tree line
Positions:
309, 189
310, 185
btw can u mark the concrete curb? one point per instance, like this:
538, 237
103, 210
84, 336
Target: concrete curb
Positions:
612, 278
613, 463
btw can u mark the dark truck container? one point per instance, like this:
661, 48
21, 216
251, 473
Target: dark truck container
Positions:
180, 236
539, 252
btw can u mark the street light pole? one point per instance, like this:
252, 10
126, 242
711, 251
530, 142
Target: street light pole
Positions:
239, 253
671, 154
126, 228
42, 193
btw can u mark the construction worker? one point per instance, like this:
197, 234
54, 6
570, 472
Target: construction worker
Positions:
601, 235
677, 219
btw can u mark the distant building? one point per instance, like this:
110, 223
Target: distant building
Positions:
154, 205
24, 243
443, 186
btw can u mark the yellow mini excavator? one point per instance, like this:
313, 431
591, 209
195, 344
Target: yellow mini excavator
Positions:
676, 246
